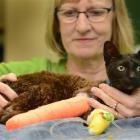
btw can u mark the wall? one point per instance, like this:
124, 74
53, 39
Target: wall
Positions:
1, 13
25, 29
134, 10
1, 30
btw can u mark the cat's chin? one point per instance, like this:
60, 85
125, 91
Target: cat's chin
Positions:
125, 89
130, 87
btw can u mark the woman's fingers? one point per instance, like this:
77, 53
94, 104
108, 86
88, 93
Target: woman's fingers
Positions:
117, 95
95, 104
103, 96
127, 112
3, 102
126, 105
7, 91
110, 104
10, 76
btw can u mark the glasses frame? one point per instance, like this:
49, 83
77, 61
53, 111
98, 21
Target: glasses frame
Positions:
86, 14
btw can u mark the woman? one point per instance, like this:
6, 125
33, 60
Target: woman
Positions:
84, 26
76, 31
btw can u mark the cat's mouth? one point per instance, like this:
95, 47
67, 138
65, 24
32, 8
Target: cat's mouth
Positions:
125, 85
130, 87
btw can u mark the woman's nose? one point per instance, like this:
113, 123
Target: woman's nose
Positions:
83, 25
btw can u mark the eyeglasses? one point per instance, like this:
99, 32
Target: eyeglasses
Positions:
93, 15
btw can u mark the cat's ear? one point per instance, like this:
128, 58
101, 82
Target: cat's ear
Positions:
138, 54
110, 51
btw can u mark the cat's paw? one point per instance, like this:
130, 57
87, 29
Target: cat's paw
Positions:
6, 114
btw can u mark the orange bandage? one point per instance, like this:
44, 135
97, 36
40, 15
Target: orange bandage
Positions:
72, 107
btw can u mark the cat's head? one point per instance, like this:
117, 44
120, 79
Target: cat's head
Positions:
123, 70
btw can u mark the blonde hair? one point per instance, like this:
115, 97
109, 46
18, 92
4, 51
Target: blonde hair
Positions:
122, 34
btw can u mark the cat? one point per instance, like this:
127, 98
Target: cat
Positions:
42, 88
123, 70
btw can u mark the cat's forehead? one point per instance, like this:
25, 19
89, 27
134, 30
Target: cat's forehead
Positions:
125, 59
131, 57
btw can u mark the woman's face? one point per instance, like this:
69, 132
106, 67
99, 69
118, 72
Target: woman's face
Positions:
84, 37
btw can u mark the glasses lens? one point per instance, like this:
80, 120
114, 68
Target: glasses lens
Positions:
68, 16
94, 15
97, 15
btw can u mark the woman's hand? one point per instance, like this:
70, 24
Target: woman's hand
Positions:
6, 90
119, 103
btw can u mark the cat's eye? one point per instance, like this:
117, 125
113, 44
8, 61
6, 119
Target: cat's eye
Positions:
121, 68
138, 68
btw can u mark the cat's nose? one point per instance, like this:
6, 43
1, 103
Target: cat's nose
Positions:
132, 75
133, 78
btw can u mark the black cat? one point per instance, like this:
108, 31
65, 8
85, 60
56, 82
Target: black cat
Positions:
43, 88
123, 70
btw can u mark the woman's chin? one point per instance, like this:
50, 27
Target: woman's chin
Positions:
88, 54
85, 56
